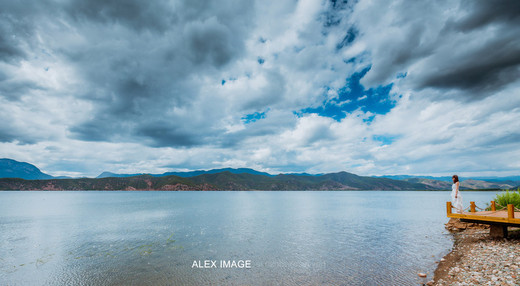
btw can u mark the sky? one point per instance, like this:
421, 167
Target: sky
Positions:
368, 87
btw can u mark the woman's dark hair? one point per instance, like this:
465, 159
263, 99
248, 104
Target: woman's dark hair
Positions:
456, 178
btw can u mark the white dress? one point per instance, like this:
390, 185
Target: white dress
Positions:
456, 202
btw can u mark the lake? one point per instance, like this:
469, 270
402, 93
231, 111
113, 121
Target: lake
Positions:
289, 237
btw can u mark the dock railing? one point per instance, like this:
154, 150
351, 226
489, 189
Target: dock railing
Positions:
499, 220
472, 210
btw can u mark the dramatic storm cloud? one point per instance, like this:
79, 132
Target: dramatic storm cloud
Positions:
370, 87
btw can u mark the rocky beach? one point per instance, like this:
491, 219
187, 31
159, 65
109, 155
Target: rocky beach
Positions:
478, 259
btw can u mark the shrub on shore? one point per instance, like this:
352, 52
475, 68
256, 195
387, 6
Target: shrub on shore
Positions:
507, 197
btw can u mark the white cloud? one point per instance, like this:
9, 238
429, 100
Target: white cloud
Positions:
135, 94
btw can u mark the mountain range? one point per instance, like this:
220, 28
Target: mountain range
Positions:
188, 174
507, 179
16, 175
216, 181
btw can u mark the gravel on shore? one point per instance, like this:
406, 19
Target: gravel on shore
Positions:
477, 259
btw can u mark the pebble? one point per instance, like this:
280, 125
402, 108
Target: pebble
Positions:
485, 262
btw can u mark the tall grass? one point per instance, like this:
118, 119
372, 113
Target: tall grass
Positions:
508, 197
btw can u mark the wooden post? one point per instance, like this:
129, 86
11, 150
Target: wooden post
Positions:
472, 206
498, 231
448, 208
510, 211
493, 206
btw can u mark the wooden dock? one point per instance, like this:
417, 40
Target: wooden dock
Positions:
499, 220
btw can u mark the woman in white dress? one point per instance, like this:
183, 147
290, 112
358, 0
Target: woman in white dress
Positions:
456, 197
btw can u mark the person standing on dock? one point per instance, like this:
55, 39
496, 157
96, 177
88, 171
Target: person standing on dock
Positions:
456, 197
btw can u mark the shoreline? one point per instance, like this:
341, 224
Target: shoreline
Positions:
478, 259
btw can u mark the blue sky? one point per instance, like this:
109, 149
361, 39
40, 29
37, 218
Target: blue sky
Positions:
354, 96
368, 87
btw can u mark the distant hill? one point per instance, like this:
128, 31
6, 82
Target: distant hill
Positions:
406, 177
218, 181
479, 184
13, 169
466, 183
499, 179
114, 175
437, 184
189, 173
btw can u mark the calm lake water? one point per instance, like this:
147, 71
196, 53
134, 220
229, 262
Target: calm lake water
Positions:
291, 238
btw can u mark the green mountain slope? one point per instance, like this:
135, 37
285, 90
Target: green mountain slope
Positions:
13, 169
218, 181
